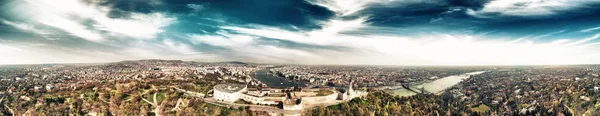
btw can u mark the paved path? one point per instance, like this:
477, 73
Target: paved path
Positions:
269, 109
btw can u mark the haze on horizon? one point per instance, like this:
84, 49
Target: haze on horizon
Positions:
374, 32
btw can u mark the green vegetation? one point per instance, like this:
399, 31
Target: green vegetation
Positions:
127, 99
240, 101
53, 98
198, 87
379, 103
481, 108
160, 96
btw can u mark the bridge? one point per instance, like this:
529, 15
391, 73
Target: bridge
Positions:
414, 89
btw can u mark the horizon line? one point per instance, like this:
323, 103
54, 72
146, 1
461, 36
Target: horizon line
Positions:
384, 65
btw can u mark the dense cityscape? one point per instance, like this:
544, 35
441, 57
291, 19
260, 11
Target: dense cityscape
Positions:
173, 87
299, 58
368, 76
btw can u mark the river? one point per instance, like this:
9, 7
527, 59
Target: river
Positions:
435, 86
265, 77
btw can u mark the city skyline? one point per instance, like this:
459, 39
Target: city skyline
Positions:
350, 32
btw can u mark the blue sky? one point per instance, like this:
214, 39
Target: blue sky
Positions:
377, 32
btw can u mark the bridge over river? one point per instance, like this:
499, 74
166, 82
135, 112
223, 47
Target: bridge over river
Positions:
271, 80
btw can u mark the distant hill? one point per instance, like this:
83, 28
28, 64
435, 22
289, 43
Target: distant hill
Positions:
181, 63
235, 62
137, 64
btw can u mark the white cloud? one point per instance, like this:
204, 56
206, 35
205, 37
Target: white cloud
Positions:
31, 29
69, 26
72, 15
25, 53
427, 49
179, 47
166, 49
246, 42
196, 7
526, 7
328, 35
349, 7
41, 54
143, 26
342, 7
251, 50
590, 29
584, 40
25, 27
225, 39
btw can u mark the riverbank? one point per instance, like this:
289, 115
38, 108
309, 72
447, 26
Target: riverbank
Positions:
435, 86
272, 81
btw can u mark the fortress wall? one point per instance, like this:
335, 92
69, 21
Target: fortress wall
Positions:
320, 99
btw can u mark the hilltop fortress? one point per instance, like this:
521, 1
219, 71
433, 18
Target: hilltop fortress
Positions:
286, 99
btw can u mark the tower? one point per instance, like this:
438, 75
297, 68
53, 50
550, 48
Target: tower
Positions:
350, 90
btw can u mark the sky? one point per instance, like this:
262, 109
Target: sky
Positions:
345, 32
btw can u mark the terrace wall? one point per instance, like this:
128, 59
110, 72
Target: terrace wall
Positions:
320, 99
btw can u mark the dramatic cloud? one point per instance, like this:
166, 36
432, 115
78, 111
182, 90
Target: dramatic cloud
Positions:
380, 32
143, 26
196, 7
24, 27
88, 22
590, 29
529, 7
442, 49
343, 7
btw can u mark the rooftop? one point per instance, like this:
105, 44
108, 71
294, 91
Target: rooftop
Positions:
230, 87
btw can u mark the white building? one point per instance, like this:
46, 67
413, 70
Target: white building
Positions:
257, 100
233, 92
257, 92
228, 92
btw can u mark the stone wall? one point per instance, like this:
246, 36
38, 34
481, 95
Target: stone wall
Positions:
320, 99
292, 107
